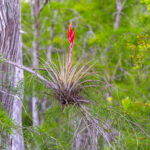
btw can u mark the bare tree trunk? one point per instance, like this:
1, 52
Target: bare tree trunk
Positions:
17, 139
119, 6
82, 137
35, 7
43, 107
10, 77
49, 51
82, 141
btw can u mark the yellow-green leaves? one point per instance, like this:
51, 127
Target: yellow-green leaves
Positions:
147, 2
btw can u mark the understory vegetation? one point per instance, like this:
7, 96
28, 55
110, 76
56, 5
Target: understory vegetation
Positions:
101, 101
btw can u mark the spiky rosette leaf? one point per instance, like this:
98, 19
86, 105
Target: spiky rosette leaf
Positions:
68, 83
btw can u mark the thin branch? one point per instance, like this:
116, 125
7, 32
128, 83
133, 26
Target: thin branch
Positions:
45, 3
119, 6
124, 3
48, 83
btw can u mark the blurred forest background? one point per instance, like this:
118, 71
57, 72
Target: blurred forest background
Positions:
114, 35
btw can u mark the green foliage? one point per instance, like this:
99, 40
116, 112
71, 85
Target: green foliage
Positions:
122, 68
147, 2
6, 126
6, 123
2, 59
59, 120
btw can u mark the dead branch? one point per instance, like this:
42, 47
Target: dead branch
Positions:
98, 126
48, 83
119, 6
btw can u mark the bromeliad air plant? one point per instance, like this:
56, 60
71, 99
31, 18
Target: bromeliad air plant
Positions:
67, 80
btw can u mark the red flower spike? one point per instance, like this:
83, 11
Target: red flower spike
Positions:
71, 36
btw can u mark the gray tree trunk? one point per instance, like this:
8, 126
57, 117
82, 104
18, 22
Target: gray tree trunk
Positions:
49, 51
10, 77
35, 8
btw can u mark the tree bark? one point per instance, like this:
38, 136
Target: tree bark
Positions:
11, 77
119, 6
35, 8
49, 51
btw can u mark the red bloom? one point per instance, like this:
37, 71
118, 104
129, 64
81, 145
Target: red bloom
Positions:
71, 34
